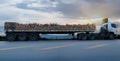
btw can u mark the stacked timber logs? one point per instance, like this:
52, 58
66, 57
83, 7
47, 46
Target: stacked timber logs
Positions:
48, 27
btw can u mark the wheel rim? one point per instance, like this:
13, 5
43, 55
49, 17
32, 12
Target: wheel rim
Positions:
79, 37
33, 36
11, 37
111, 37
84, 38
22, 37
92, 38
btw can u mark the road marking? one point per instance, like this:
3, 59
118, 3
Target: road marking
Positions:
97, 46
56, 47
13, 48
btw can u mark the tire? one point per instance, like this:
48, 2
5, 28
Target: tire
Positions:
84, 37
79, 37
22, 36
33, 36
11, 37
92, 38
111, 36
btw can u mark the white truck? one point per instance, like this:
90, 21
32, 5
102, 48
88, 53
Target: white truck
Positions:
22, 32
109, 29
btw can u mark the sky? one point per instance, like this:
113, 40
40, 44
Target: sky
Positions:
58, 11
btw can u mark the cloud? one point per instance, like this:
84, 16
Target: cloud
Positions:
16, 14
75, 8
71, 8
24, 14
68, 1
89, 8
42, 4
10, 2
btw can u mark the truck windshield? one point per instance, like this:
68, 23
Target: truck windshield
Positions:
114, 25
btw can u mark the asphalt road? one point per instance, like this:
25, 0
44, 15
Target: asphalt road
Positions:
98, 50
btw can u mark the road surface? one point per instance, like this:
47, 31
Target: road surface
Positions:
74, 50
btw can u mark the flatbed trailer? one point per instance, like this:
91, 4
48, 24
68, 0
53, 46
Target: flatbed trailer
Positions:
15, 31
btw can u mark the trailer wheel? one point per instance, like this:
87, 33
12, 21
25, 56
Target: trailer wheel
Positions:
33, 36
22, 36
92, 37
79, 37
11, 37
84, 37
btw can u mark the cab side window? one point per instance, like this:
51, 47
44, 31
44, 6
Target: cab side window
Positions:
114, 25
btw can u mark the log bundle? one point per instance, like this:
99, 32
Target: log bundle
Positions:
47, 27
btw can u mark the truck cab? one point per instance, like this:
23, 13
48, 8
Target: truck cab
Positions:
108, 29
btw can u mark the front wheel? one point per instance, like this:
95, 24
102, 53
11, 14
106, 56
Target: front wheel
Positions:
111, 36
